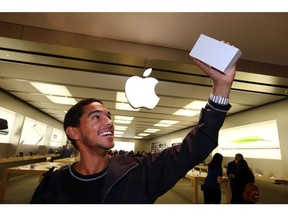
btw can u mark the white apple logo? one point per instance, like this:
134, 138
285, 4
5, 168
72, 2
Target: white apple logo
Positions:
140, 92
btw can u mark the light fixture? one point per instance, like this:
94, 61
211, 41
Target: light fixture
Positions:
123, 119
186, 112
56, 93
151, 130
166, 123
143, 134
62, 100
120, 128
191, 109
118, 133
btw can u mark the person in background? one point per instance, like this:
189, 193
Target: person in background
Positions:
244, 190
211, 186
231, 169
65, 152
100, 178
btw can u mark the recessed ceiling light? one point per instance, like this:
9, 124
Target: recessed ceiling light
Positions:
186, 112
120, 128
143, 134
191, 109
51, 89
123, 119
118, 132
56, 93
166, 123
121, 97
151, 130
196, 105
62, 100
117, 135
124, 106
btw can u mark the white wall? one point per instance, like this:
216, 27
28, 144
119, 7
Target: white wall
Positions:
278, 111
13, 104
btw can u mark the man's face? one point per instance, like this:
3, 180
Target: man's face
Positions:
96, 130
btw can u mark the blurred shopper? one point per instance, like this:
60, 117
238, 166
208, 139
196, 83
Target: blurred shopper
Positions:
66, 152
231, 169
244, 190
211, 187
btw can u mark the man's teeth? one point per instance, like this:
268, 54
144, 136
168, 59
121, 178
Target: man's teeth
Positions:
107, 133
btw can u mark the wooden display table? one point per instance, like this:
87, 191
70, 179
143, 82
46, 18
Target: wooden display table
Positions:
273, 180
26, 158
67, 160
30, 169
195, 176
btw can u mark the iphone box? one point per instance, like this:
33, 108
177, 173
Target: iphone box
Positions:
215, 53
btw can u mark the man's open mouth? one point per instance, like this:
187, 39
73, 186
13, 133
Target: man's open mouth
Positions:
106, 133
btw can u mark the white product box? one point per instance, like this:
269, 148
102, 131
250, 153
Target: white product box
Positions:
215, 53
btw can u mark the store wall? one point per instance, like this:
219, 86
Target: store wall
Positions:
276, 111
268, 167
22, 109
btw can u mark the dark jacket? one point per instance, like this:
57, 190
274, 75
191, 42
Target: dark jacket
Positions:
144, 179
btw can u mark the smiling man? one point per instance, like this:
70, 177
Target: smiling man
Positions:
101, 178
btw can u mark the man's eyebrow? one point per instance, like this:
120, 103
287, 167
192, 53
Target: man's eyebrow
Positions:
98, 111
95, 111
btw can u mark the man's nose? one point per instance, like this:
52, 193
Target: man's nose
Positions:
108, 120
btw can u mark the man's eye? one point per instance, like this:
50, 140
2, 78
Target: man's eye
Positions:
96, 117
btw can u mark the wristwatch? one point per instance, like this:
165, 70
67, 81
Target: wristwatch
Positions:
219, 100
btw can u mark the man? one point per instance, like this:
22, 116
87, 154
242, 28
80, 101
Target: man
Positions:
232, 167
100, 178
65, 152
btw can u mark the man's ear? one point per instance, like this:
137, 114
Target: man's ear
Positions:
72, 133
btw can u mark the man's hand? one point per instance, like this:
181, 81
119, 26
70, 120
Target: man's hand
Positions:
222, 82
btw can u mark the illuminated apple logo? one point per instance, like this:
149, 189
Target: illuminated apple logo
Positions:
140, 92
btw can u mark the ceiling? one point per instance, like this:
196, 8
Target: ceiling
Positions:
93, 55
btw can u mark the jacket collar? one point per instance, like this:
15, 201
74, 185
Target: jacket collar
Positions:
118, 167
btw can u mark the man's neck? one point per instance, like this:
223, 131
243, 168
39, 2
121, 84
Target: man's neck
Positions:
92, 164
